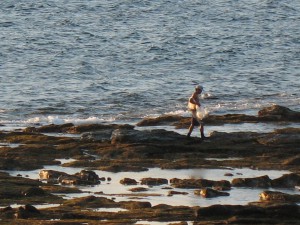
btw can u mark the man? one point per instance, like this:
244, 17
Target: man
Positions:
194, 101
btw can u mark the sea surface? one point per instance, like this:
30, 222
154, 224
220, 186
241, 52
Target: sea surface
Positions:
119, 61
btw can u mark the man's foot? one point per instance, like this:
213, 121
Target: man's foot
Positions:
204, 138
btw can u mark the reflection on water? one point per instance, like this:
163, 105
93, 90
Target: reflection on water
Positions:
158, 194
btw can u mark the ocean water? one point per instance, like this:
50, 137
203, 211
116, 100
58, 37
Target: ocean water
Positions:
120, 61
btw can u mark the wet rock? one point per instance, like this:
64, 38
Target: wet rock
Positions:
84, 177
210, 193
7, 213
31, 209
199, 183
146, 136
91, 202
70, 180
51, 128
295, 160
228, 175
286, 181
216, 211
128, 181
280, 138
102, 136
278, 196
258, 182
234, 137
51, 174
98, 127
159, 121
278, 113
130, 205
88, 176
154, 181
284, 210
34, 191
26, 212
250, 211
123, 168
229, 118
138, 189
171, 193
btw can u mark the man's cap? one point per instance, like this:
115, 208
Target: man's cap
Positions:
199, 87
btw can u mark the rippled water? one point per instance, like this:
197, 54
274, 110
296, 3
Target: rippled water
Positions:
100, 60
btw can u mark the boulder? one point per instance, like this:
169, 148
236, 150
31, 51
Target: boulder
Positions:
128, 181
153, 181
210, 193
286, 181
84, 177
28, 211
278, 196
279, 113
171, 193
234, 137
69, 180
88, 176
277, 138
258, 182
51, 174
200, 183
102, 136
158, 121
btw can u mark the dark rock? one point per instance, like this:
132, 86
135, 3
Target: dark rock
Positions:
26, 212
102, 136
130, 205
215, 211
128, 181
199, 183
286, 181
278, 196
210, 193
249, 211
171, 193
98, 127
153, 181
138, 189
51, 174
295, 160
258, 182
158, 121
31, 209
284, 211
90, 177
277, 112
146, 136
34, 191
51, 128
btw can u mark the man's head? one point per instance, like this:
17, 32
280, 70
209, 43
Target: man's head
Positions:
199, 88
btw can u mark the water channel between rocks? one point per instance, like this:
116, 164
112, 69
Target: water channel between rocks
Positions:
159, 194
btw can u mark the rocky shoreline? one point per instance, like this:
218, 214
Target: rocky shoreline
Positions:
119, 148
